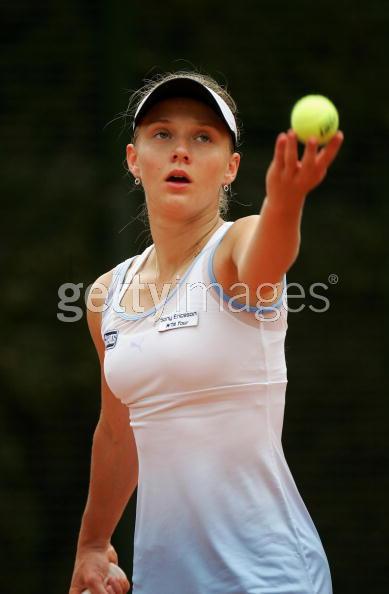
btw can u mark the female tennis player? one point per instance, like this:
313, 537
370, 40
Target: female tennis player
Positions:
190, 337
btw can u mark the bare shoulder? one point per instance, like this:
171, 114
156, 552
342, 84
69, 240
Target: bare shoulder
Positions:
224, 267
94, 307
99, 289
241, 227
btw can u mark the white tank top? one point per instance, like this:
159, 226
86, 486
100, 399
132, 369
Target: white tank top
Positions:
218, 511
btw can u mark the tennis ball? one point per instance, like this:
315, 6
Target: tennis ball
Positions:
315, 115
114, 571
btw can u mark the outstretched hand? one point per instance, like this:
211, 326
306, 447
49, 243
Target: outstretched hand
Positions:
289, 180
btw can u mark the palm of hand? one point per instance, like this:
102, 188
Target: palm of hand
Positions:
289, 180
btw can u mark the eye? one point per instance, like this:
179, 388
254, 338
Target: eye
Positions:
162, 134
203, 137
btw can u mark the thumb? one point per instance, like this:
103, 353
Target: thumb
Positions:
112, 555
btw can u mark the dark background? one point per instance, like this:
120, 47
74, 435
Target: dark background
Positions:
67, 68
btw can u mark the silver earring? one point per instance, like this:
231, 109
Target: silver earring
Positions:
137, 181
226, 187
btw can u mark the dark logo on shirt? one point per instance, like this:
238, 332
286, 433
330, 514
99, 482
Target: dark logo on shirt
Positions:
110, 339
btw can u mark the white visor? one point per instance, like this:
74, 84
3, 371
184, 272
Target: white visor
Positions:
188, 87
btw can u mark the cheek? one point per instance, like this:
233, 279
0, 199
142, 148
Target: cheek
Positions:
149, 163
214, 169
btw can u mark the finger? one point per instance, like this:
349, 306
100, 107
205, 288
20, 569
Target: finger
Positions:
115, 585
279, 151
113, 589
291, 155
96, 586
310, 152
329, 152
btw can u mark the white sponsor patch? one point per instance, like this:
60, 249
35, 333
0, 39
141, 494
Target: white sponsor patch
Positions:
178, 320
110, 339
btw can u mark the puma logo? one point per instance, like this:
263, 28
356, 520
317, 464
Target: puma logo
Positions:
137, 345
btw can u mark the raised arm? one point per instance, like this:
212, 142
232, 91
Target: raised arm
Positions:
264, 247
113, 476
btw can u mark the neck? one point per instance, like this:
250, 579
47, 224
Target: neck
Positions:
177, 242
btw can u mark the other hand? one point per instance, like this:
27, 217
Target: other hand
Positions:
91, 570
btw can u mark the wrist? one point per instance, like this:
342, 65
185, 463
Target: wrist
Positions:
91, 535
96, 545
285, 207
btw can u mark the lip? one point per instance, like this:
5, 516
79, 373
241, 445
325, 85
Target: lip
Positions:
178, 173
177, 186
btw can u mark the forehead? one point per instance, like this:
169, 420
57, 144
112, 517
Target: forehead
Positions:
180, 108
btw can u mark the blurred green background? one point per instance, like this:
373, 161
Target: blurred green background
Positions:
67, 68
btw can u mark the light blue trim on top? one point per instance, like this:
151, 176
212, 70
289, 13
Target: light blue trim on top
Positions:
230, 299
114, 281
126, 316
118, 309
124, 266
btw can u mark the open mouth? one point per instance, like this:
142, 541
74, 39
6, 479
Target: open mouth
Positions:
178, 177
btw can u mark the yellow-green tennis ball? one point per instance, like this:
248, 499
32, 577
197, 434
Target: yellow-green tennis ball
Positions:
315, 115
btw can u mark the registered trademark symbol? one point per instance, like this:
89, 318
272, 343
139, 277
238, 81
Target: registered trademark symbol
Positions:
333, 279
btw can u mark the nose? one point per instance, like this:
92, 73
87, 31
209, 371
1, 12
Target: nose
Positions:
181, 154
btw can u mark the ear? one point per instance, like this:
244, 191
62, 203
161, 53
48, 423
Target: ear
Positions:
132, 157
232, 168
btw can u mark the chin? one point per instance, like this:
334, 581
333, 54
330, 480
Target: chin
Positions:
177, 206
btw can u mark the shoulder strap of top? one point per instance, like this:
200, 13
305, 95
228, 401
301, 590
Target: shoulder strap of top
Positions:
216, 237
119, 274
121, 286
223, 230
116, 274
